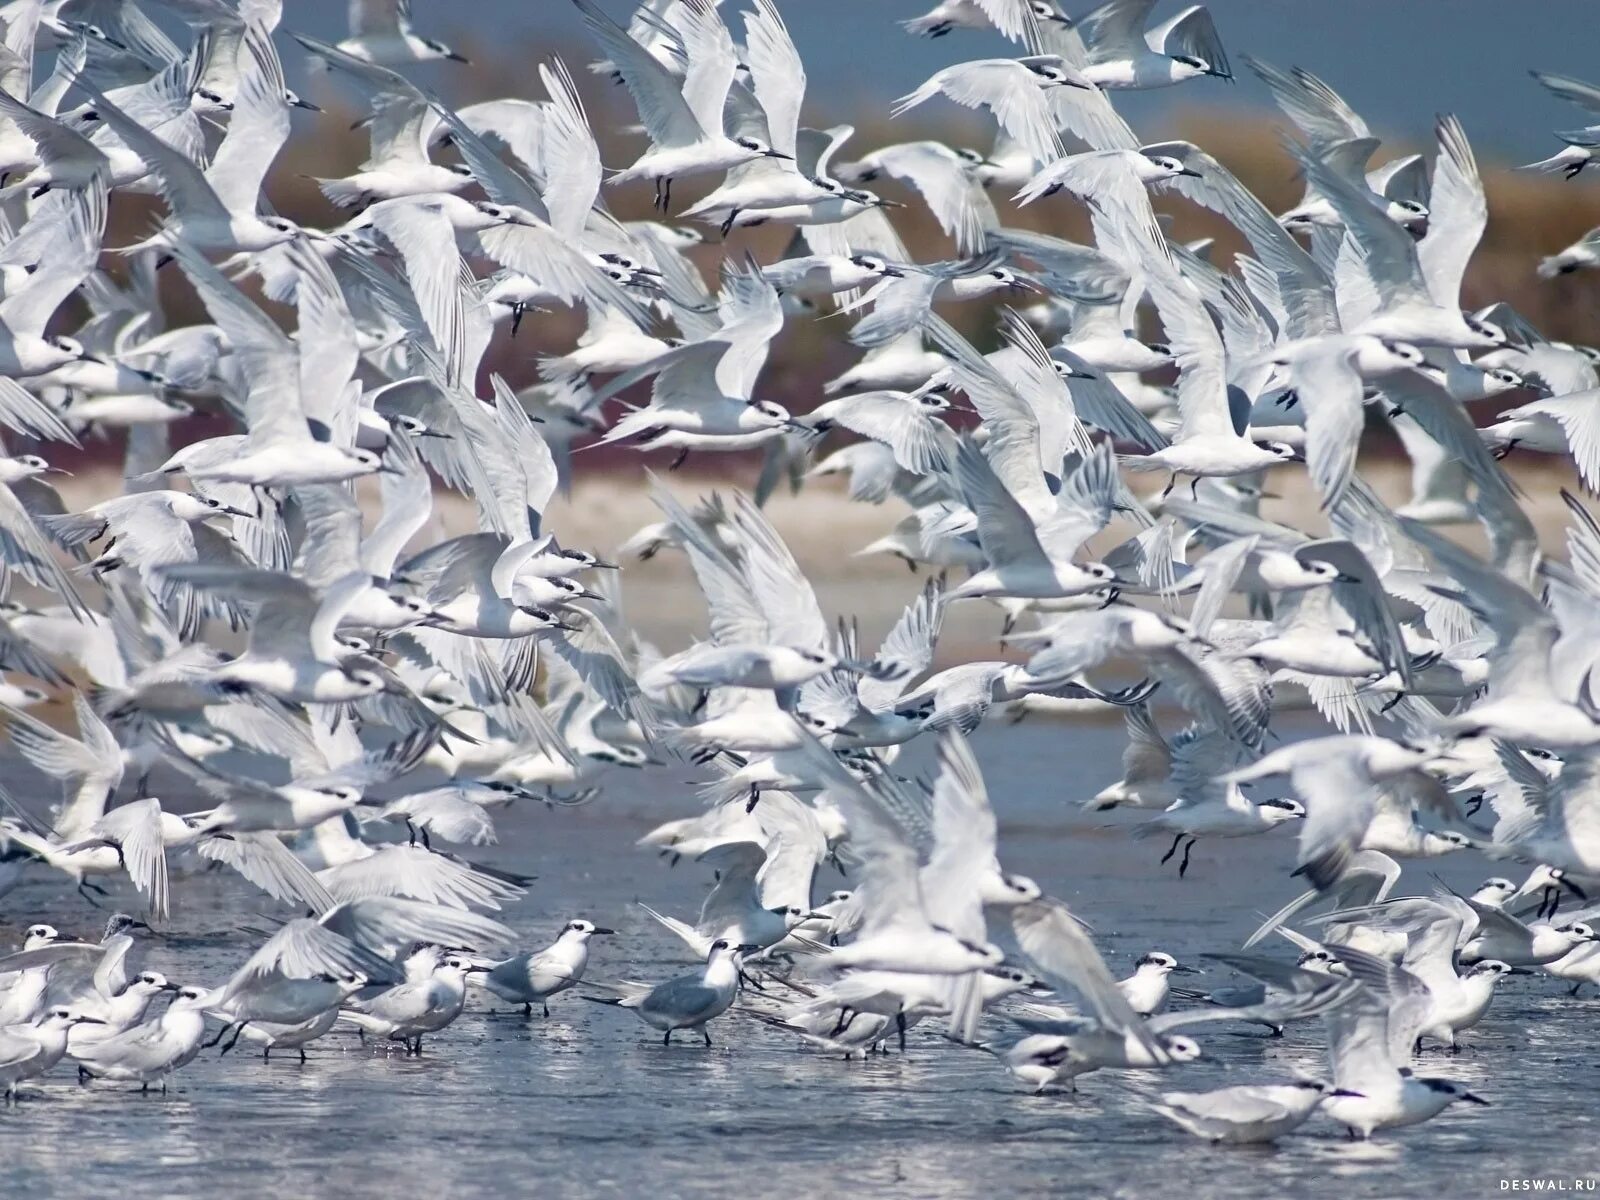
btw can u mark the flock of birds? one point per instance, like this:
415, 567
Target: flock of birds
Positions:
237, 604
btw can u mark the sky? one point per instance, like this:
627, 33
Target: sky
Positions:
1398, 62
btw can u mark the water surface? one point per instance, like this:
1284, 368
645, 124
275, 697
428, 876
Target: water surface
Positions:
590, 1103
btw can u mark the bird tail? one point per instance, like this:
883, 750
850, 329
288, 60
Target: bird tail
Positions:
926, 26
341, 192
1280, 917
685, 932
1569, 157
71, 530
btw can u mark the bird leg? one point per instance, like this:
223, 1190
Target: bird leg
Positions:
900, 1025
544, 1004
222, 1034
727, 224
666, 1039
1172, 482
755, 798
678, 461
517, 310
302, 1056
705, 1033
238, 1029
1577, 987
1183, 867
1168, 855
743, 978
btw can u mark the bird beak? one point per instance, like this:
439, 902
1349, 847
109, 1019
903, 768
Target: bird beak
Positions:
880, 202
1519, 971
1183, 970
234, 512
87, 1021
777, 154
57, 471
1471, 1098
169, 987
818, 916
892, 273
1348, 1092
453, 56
601, 565
747, 948
601, 929
1191, 174
1343, 578
297, 102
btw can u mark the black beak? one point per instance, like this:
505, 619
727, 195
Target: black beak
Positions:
1183, 970
1347, 1092
87, 1021
305, 104
1187, 171
777, 154
460, 58
892, 273
1470, 1098
601, 929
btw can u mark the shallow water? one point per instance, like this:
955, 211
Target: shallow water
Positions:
589, 1102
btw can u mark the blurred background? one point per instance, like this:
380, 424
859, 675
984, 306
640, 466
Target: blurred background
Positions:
1397, 64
